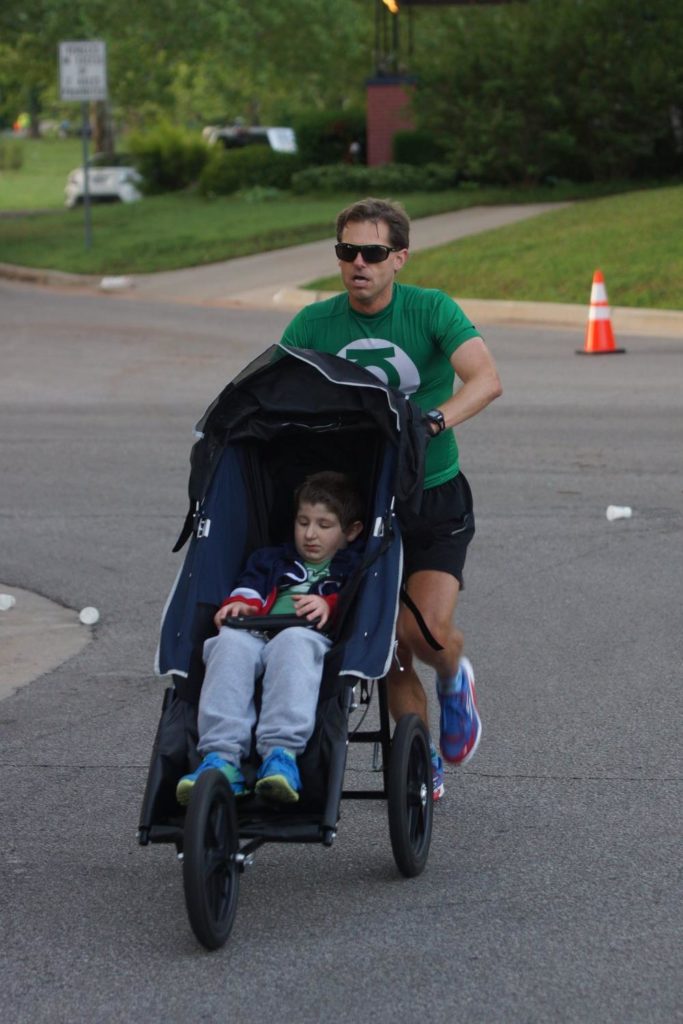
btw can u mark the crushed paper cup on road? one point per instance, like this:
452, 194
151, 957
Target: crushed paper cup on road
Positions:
618, 512
7, 601
89, 616
115, 284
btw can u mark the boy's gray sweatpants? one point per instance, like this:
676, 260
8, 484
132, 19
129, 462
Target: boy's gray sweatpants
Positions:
292, 665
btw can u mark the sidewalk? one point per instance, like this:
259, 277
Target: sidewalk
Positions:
276, 277
36, 636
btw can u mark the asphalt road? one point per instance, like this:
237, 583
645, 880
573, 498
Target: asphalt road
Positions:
552, 891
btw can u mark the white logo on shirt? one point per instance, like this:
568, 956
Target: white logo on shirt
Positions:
386, 360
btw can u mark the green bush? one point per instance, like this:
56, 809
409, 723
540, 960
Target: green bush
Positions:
324, 138
384, 179
229, 170
581, 91
11, 155
168, 158
417, 148
111, 160
260, 194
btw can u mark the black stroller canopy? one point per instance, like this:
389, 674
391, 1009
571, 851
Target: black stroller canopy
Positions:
293, 388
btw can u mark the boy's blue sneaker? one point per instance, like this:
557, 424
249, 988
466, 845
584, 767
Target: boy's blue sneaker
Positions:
278, 777
460, 722
232, 773
438, 788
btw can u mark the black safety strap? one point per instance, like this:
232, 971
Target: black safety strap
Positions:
408, 601
188, 529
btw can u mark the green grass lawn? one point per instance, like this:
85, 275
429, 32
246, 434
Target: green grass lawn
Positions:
182, 229
39, 183
636, 239
171, 231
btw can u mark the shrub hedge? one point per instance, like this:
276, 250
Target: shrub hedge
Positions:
325, 138
417, 148
229, 170
168, 158
11, 155
386, 178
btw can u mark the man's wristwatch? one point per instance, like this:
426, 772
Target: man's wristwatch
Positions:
436, 417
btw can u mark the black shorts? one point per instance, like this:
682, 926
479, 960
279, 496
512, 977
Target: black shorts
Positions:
445, 526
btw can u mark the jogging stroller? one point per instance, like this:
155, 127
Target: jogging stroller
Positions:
290, 413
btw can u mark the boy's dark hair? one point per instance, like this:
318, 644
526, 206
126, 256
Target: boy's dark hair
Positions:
334, 490
376, 210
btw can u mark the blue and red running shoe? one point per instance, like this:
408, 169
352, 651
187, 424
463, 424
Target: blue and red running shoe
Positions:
460, 723
438, 788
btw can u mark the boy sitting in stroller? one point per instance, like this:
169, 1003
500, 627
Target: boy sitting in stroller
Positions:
302, 578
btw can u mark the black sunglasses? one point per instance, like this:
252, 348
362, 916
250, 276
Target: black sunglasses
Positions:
370, 253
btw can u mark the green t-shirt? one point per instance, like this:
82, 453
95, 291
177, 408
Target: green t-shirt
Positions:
408, 345
283, 604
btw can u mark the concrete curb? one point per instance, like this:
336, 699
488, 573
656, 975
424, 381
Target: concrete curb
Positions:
625, 319
56, 278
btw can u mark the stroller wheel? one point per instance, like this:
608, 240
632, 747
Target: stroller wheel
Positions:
210, 870
409, 794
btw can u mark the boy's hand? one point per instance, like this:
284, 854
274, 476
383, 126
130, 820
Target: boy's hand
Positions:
232, 610
312, 606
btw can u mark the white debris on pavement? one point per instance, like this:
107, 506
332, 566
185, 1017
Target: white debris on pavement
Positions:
115, 284
618, 512
89, 616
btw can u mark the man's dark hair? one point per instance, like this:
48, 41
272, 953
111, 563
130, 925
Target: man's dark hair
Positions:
334, 490
376, 210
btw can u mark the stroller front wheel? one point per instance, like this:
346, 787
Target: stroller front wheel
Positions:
409, 794
210, 869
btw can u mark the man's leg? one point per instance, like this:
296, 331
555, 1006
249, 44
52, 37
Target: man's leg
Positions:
434, 557
435, 594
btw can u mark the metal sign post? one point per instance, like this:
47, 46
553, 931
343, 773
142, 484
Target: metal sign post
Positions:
85, 126
83, 78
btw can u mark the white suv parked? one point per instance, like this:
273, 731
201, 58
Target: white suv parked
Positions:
104, 183
281, 140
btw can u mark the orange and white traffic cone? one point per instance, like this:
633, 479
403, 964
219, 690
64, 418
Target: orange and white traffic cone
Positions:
599, 335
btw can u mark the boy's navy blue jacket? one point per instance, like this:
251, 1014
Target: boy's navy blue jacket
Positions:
270, 570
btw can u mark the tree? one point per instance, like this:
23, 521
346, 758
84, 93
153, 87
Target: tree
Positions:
224, 58
584, 89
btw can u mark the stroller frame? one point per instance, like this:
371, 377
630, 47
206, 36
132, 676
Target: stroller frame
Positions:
217, 836
216, 842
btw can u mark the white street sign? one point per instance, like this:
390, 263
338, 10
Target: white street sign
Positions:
83, 70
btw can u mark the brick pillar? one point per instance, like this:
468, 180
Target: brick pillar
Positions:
389, 111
